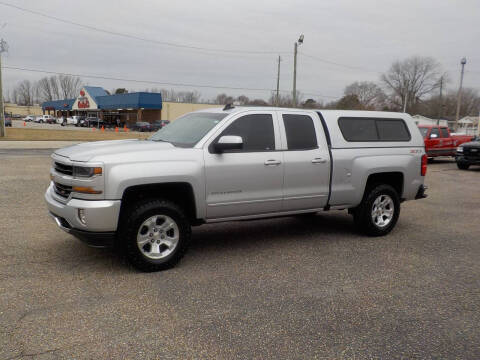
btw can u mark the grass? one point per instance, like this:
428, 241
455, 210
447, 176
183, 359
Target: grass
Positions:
17, 134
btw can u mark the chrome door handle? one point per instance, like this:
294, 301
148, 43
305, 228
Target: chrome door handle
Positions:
319, 161
272, 162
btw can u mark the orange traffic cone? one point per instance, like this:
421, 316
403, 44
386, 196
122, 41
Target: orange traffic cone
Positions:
125, 128
116, 128
24, 123
103, 129
93, 128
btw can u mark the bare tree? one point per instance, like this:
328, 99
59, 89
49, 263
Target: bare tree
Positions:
411, 79
188, 96
69, 86
369, 94
25, 93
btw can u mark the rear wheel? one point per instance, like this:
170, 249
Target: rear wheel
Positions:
463, 166
378, 213
156, 235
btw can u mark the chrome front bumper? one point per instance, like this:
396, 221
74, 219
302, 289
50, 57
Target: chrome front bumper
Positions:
100, 215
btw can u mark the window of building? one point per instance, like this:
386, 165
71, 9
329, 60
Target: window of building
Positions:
256, 131
300, 132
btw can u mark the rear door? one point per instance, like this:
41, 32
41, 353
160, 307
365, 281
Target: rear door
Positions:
446, 142
307, 161
247, 181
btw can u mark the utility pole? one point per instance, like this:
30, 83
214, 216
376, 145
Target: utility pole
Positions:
277, 100
459, 97
405, 99
440, 111
3, 48
294, 94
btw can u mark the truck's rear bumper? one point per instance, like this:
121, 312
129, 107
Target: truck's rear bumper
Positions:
421, 192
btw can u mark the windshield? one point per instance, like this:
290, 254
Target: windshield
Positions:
423, 131
189, 129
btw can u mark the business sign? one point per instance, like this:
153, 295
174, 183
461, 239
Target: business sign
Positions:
84, 102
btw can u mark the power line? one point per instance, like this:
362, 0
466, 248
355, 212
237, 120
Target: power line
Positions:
339, 64
153, 82
135, 37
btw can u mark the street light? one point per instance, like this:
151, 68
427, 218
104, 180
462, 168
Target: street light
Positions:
459, 96
297, 43
3, 48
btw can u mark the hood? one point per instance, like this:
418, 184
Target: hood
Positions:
474, 143
87, 151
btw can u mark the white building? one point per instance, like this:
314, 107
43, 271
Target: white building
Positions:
423, 120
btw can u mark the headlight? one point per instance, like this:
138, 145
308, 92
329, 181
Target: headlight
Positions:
460, 149
83, 171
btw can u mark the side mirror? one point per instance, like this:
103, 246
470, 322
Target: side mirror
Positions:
228, 142
433, 136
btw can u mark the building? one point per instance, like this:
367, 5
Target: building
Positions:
94, 101
423, 120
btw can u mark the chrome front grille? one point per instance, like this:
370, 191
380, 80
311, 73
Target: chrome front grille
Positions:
63, 168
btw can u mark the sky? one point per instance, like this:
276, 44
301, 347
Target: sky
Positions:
363, 36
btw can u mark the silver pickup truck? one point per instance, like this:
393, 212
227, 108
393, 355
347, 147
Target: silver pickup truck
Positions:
235, 163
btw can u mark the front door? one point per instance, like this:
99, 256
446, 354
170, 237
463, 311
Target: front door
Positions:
247, 181
307, 162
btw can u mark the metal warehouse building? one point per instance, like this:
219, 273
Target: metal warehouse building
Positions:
95, 101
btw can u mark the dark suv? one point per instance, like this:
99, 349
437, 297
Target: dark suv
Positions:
468, 154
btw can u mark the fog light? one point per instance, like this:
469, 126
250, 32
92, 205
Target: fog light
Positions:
82, 217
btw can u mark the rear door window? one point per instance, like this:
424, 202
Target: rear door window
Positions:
444, 132
300, 132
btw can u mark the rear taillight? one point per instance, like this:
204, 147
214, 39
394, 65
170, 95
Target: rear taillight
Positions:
423, 170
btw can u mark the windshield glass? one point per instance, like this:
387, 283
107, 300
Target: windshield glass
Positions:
189, 129
423, 131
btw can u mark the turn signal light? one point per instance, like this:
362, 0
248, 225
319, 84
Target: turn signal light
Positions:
423, 170
85, 190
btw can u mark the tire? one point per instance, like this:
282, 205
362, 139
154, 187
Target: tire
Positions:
154, 215
431, 160
463, 166
368, 222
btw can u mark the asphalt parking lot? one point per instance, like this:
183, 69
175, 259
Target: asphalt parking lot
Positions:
296, 288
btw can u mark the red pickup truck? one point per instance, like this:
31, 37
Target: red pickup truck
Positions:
439, 141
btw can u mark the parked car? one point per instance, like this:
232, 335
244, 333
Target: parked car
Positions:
8, 122
158, 124
440, 142
48, 119
73, 120
142, 126
29, 118
468, 154
91, 122
228, 164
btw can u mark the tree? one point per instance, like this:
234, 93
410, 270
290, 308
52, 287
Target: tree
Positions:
25, 93
369, 94
412, 78
310, 104
224, 99
243, 100
349, 102
70, 86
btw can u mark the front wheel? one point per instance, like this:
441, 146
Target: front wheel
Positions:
156, 235
378, 213
463, 166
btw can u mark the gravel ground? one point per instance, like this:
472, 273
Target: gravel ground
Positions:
296, 288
